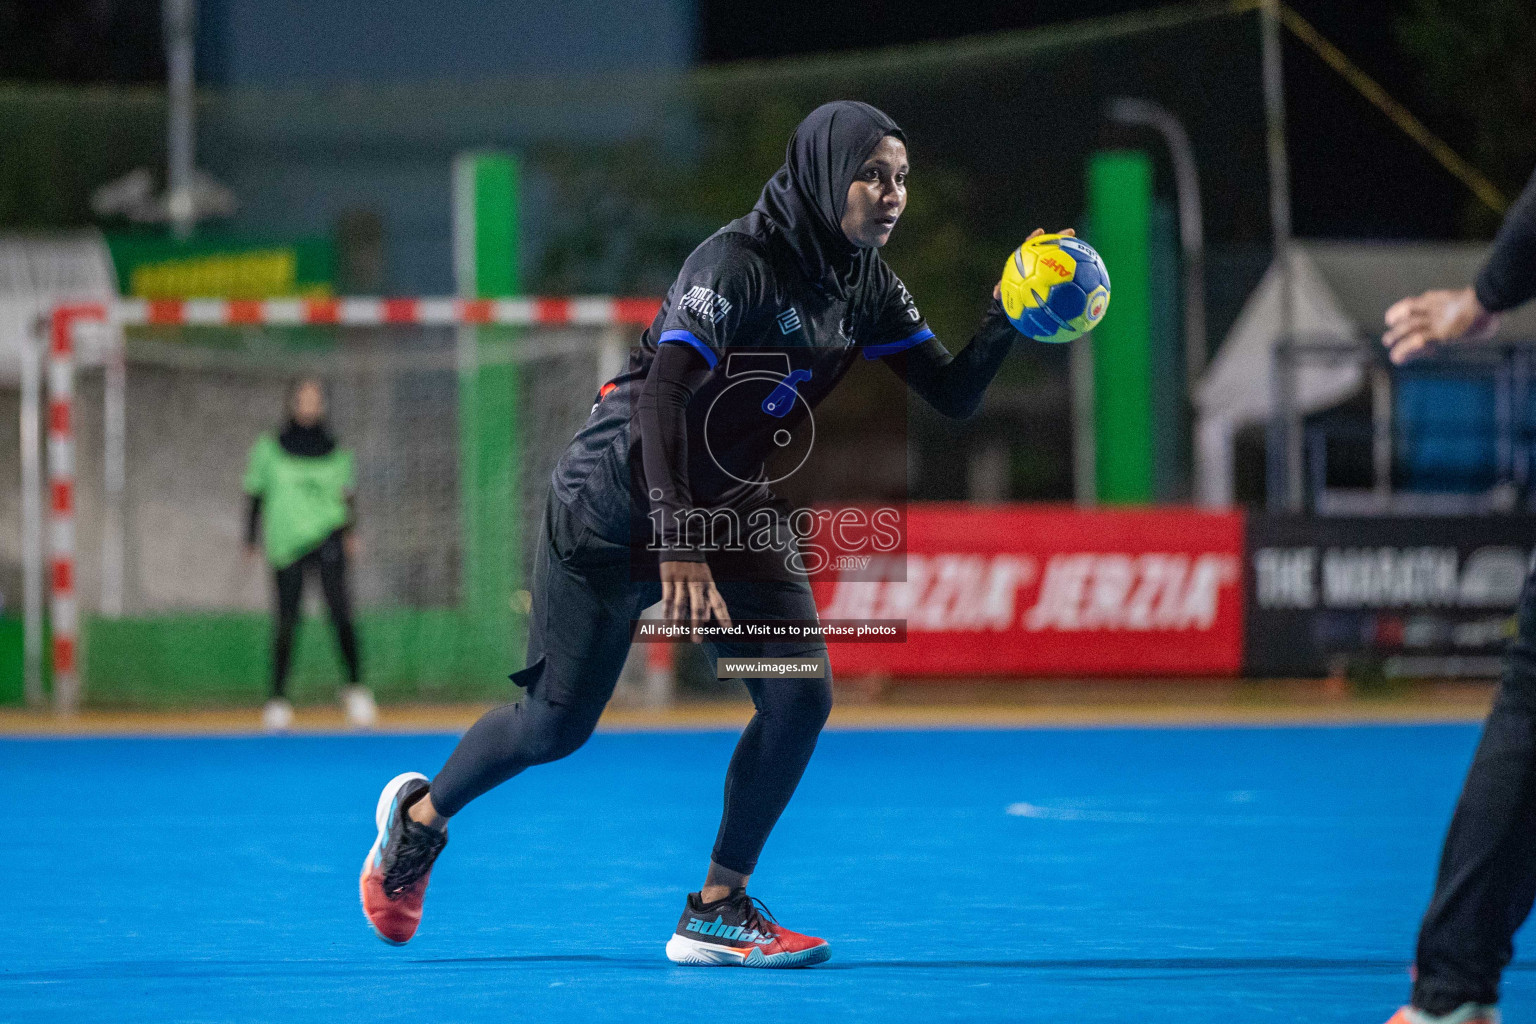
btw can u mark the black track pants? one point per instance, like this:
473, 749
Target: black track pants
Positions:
1487, 878
584, 603
329, 560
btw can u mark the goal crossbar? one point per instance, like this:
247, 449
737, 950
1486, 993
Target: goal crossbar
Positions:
580, 311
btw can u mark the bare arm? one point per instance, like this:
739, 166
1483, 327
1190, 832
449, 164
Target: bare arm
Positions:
1507, 280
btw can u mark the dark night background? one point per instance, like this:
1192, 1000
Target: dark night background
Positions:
1354, 173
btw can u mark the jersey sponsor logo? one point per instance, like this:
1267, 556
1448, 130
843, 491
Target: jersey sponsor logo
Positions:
789, 321
1078, 592
705, 304
731, 933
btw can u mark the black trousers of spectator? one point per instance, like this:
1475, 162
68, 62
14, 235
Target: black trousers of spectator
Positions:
1487, 878
329, 562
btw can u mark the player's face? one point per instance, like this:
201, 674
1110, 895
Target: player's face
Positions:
308, 403
878, 195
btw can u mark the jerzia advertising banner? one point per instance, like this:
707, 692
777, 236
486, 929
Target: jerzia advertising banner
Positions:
1030, 591
1414, 597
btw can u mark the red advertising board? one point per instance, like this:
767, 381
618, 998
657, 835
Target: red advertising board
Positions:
1049, 591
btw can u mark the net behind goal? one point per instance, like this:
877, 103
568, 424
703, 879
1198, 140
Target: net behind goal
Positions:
454, 412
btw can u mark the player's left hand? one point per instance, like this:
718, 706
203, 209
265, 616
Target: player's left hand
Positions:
997, 289
352, 544
1442, 315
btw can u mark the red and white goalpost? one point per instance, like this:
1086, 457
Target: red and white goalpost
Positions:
58, 562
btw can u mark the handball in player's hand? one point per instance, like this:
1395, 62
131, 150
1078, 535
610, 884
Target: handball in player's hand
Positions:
1054, 288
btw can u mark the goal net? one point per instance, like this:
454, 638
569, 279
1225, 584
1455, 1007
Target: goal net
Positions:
455, 413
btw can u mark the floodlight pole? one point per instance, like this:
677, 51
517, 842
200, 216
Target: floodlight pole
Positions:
1186, 183
1284, 475
179, 23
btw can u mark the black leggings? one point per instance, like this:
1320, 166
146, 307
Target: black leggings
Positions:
330, 561
1487, 879
584, 604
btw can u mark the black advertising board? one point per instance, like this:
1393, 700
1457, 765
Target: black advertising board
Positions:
1411, 597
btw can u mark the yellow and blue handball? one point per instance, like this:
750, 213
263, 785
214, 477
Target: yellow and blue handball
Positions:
1055, 288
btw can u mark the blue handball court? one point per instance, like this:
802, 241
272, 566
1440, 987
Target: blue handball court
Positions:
1082, 875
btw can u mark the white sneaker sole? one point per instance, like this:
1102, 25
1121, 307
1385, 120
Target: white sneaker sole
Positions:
681, 950
361, 711
381, 819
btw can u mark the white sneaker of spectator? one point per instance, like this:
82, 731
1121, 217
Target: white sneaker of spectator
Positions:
277, 715
362, 712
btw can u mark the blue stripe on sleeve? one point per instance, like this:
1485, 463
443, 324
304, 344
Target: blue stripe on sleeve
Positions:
890, 348
688, 338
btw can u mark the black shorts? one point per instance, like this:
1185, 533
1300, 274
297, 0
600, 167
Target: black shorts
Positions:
588, 592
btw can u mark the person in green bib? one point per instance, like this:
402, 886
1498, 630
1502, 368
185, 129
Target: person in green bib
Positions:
300, 485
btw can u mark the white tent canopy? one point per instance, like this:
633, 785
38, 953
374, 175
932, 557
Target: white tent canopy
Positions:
1341, 290
39, 271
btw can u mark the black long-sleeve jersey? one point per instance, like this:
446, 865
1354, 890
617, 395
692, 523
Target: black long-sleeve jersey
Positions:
666, 435
1508, 279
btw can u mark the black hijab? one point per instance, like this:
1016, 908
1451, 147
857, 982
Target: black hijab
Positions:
805, 199
312, 441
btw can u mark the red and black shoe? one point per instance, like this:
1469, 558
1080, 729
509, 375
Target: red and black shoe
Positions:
394, 880
738, 931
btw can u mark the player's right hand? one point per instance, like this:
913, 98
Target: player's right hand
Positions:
997, 289
1445, 314
688, 594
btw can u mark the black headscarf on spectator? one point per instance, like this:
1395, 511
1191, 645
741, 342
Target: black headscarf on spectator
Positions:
313, 441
